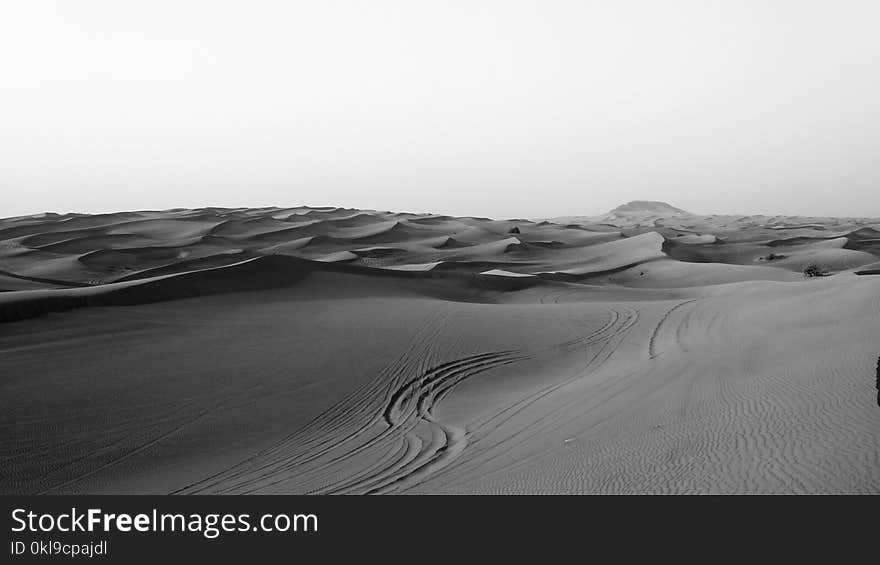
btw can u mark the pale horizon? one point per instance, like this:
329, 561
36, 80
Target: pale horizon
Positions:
589, 213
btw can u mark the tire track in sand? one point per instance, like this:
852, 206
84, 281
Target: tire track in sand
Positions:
383, 437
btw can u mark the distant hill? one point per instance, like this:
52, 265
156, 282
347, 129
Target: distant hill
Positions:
647, 207
641, 212
637, 212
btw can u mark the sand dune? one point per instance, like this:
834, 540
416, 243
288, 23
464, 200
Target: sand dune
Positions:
334, 350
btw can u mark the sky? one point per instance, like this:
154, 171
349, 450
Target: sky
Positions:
494, 108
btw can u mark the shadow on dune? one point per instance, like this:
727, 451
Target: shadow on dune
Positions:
255, 274
260, 273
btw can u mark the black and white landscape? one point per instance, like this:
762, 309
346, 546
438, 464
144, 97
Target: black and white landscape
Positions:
334, 350
429, 247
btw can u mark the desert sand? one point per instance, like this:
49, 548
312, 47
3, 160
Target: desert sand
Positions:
333, 350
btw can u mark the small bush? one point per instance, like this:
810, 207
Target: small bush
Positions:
813, 270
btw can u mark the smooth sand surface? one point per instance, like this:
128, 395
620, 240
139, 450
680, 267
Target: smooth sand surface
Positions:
331, 350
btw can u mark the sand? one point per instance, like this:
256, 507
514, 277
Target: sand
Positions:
332, 350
